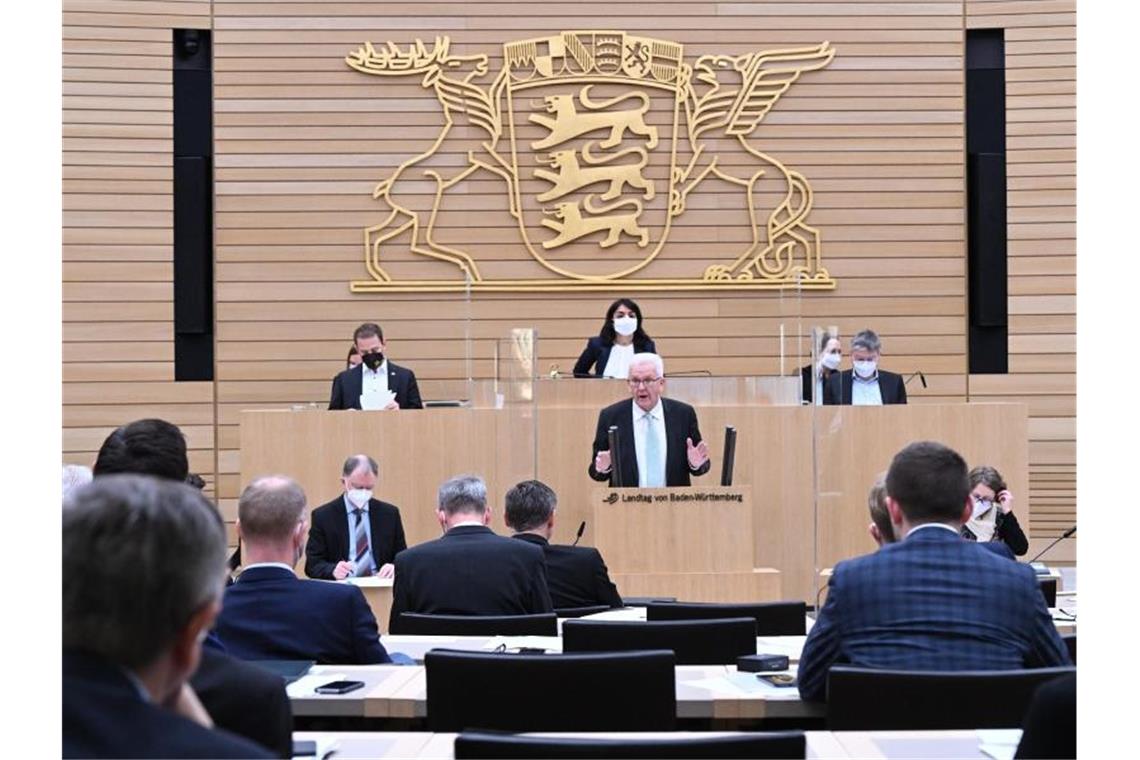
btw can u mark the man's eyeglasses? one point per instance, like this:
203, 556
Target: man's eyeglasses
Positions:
642, 383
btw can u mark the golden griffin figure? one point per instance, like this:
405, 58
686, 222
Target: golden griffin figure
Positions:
599, 139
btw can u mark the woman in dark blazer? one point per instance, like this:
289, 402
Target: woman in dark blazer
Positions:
813, 378
623, 335
993, 518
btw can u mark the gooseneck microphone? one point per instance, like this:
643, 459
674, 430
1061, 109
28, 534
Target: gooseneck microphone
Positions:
581, 530
1063, 536
913, 375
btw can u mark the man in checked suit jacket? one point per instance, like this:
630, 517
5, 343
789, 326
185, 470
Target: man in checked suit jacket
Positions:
331, 552
270, 613
375, 371
470, 570
575, 575
931, 601
674, 423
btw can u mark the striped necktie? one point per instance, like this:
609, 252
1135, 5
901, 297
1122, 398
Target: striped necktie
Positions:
360, 556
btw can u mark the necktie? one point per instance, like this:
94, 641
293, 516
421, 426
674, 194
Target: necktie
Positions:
654, 455
363, 562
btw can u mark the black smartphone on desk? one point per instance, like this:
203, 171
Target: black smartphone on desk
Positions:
339, 687
782, 680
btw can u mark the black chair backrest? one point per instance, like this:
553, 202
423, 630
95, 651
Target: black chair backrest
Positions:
860, 699
772, 619
695, 642
641, 601
577, 612
626, 691
416, 624
1048, 590
782, 744
1070, 640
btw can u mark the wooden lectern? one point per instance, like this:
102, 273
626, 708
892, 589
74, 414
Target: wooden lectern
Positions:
694, 543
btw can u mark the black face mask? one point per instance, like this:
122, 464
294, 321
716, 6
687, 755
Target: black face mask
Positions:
373, 361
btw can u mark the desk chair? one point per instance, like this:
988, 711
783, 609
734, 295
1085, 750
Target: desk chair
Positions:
772, 619
860, 699
783, 744
416, 624
1070, 640
577, 612
1048, 590
626, 691
695, 642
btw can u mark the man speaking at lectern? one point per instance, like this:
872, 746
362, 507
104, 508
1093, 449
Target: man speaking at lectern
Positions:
658, 438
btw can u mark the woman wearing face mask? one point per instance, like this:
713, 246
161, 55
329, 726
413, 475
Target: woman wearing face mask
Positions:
353, 358
993, 518
622, 336
814, 378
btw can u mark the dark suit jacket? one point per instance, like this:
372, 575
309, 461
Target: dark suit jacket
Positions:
227, 687
597, 354
105, 716
1050, 726
680, 423
575, 575
932, 601
349, 384
837, 389
470, 571
271, 614
328, 536
807, 383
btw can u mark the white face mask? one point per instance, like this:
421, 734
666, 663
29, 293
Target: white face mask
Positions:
830, 361
865, 369
359, 496
625, 325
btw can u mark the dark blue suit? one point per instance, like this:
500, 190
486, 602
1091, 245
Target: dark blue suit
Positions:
271, 614
104, 715
933, 601
597, 354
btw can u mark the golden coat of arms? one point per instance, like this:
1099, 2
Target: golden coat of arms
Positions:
599, 138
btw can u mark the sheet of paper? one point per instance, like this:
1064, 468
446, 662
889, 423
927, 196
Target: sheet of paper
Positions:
379, 400
303, 686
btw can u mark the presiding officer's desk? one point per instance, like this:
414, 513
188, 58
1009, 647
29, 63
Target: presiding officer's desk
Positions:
821, 745
808, 468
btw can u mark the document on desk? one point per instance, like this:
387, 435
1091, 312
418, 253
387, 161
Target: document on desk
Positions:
370, 581
999, 743
743, 685
376, 400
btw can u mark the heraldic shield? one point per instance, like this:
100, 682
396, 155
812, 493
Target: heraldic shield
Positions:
594, 119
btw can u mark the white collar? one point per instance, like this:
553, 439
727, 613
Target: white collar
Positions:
638, 412
944, 526
467, 524
269, 564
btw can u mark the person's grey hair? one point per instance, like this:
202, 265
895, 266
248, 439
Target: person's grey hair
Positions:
529, 505
647, 358
867, 340
356, 461
464, 493
75, 476
141, 556
270, 507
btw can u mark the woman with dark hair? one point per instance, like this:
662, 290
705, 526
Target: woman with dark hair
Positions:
622, 336
993, 518
353, 358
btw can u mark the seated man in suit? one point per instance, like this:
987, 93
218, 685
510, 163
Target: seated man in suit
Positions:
270, 613
575, 575
659, 439
866, 384
134, 620
931, 601
375, 378
355, 534
225, 685
470, 570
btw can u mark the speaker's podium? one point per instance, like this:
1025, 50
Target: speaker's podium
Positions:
693, 543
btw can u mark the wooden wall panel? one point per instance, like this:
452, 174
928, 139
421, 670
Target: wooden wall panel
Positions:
118, 311
1040, 45
301, 140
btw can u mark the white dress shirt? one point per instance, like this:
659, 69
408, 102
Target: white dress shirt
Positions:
866, 392
374, 386
656, 417
618, 363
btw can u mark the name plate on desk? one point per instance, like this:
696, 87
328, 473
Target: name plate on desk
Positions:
672, 495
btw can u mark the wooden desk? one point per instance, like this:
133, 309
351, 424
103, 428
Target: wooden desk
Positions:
884, 745
809, 467
378, 594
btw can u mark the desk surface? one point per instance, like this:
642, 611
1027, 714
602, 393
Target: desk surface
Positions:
824, 745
